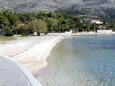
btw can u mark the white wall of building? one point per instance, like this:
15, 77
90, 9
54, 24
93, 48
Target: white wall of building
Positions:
104, 31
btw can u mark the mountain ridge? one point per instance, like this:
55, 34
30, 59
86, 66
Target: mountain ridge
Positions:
103, 8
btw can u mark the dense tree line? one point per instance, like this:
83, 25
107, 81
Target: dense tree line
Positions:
43, 22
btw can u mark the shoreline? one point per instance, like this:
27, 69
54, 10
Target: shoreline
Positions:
30, 54
33, 51
91, 33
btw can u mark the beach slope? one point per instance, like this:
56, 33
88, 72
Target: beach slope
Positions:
31, 52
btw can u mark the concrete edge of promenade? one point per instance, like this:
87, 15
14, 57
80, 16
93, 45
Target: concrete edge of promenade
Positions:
14, 74
29, 75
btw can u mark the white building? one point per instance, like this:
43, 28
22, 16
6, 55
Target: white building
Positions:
96, 21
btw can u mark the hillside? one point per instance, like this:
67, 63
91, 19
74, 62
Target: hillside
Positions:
103, 8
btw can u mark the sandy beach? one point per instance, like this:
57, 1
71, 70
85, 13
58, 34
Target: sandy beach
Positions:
31, 52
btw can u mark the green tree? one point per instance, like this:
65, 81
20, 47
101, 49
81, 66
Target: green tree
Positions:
52, 24
38, 26
5, 24
24, 29
85, 27
63, 25
76, 24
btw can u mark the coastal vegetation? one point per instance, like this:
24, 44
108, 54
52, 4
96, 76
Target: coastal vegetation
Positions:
12, 23
8, 38
42, 22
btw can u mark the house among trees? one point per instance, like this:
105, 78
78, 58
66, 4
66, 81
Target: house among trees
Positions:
96, 21
100, 26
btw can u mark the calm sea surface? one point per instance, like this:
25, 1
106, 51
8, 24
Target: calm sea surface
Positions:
81, 61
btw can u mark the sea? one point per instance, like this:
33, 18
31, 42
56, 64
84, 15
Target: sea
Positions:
87, 60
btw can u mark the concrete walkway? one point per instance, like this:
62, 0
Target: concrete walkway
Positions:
12, 75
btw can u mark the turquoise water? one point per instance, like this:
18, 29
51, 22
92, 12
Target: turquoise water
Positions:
81, 61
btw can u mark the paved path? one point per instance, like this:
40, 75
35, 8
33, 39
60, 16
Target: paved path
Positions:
11, 74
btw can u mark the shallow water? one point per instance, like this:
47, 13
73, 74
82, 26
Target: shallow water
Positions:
81, 61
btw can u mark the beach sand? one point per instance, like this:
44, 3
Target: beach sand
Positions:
30, 51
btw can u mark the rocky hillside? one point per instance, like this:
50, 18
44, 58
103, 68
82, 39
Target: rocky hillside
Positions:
36, 5
103, 8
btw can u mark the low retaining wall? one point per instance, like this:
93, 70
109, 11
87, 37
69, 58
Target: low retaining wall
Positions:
104, 31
